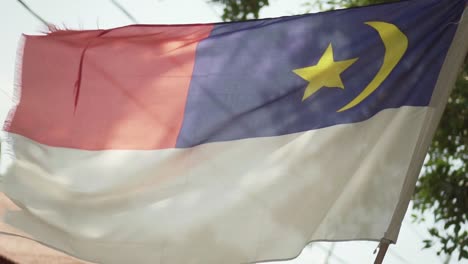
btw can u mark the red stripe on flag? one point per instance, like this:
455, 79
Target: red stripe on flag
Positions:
133, 90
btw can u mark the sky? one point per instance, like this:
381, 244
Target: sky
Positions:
92, 14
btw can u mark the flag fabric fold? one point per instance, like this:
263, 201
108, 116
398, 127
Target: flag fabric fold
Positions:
231, 142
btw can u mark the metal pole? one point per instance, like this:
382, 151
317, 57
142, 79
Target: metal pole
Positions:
383, 247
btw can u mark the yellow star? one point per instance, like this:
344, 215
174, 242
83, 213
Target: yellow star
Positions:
326, 73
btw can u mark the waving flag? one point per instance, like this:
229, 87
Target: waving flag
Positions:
230, 142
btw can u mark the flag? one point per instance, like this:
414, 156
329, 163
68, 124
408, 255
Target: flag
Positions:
230, 142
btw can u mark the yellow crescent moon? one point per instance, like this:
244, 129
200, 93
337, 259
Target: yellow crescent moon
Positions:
396, 44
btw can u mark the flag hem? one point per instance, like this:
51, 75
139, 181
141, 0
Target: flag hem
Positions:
15, 98
257, 261
444, 85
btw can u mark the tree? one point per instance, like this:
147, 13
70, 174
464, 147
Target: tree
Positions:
442, 187
235, 10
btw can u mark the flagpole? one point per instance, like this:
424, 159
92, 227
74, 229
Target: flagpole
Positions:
383, 247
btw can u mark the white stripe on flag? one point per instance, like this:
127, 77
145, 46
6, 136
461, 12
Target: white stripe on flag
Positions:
243, 200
